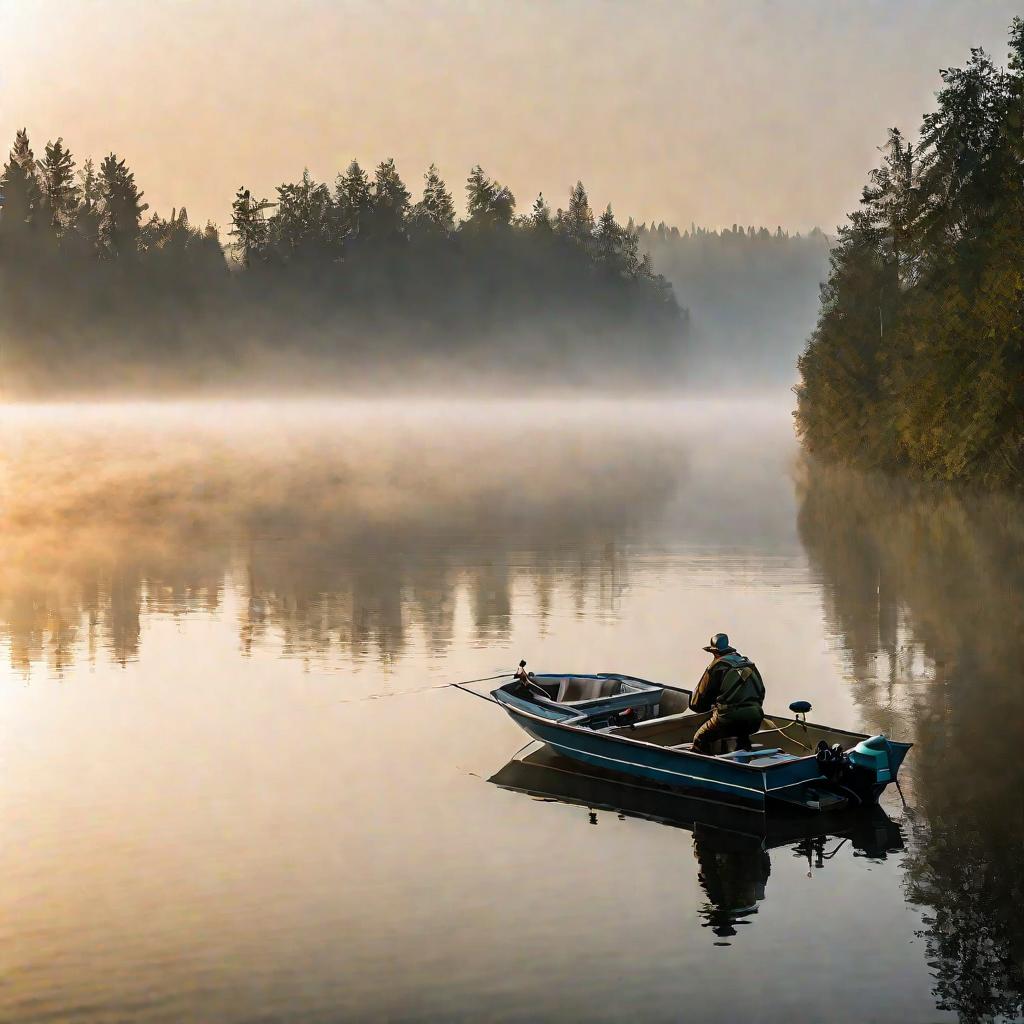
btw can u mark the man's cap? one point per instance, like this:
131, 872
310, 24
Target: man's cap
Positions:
719, 644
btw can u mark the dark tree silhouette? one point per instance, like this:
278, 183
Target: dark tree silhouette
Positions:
120, 222
60, 193
332, 283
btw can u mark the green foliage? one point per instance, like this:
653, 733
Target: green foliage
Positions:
917, 362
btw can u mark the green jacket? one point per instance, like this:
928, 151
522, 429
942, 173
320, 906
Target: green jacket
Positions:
729, 683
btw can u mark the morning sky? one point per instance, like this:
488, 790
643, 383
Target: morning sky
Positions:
753, 111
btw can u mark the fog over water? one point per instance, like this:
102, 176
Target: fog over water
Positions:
235, 789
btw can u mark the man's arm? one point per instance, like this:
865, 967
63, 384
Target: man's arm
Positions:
706, 692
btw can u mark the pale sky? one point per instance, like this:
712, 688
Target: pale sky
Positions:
718, 111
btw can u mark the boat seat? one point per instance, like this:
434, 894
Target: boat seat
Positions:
756, 750
746, 756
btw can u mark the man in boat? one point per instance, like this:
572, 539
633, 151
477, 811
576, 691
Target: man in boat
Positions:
733, 691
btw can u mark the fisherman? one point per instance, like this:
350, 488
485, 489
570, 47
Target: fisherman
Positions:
733, 691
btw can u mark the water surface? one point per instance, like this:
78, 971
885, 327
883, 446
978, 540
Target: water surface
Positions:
235, 788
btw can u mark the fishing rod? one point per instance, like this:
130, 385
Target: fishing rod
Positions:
462, 684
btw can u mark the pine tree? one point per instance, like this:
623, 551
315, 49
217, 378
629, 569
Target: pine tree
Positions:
248, 227
609, 238
390, 202
87, 213
352, 200
540, 216
578, 220
890, 200
19, 187
60, 193
303, 222
436, 210
488, 204
121, 216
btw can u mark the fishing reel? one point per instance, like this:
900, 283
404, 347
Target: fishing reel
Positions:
833, 762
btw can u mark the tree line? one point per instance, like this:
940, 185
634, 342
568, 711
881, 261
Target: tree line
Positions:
917, 361
752, 295
354, 272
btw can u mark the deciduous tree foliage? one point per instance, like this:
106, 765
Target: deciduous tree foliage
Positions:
917, 361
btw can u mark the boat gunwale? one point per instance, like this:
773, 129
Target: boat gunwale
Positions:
684, 754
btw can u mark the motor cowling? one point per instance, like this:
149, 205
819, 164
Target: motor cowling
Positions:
873, 754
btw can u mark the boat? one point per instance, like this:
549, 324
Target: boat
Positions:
638, 728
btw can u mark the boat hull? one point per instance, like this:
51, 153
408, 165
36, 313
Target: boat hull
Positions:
797, 782
685, 775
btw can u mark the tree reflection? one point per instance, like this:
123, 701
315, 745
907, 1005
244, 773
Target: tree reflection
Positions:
334, 543
925, 588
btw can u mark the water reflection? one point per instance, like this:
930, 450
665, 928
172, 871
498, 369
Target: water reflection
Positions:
925, 589
731, 846
338, 535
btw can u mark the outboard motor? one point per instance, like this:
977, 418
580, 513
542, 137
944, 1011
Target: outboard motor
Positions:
873, 754
862, 773
833, 762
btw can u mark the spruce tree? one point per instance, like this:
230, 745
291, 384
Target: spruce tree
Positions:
540, 215
19, 187
122, 209
609, 239
352, 199
578, 220
60, 193
87, 213
390, 201
436, 210
248, 227
488, 204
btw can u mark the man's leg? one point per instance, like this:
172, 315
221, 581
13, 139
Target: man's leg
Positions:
713, 729
743, 725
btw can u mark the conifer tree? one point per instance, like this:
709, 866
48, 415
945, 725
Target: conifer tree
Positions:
436, 210
121, 216
248, 227
390, 201
609, 239
352, 199
304, 218
19, 186
60, 193
488, 203
87, 213
540, 215
578, 220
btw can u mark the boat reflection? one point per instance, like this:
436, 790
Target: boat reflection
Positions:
731, 845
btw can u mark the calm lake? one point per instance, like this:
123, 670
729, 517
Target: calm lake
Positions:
235, 789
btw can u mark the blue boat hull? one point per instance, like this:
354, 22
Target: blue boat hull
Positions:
668, 768
694, 775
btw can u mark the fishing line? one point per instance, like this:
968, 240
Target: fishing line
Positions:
461, 685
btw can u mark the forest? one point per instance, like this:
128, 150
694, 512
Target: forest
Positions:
916, 364
751, 292
325, 284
